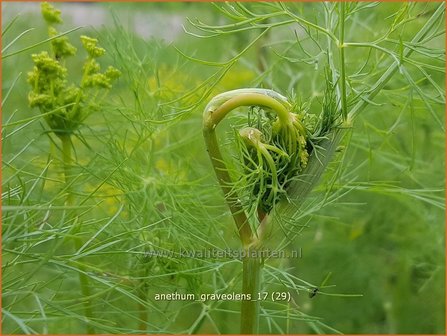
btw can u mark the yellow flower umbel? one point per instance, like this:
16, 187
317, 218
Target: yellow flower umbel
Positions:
65, 106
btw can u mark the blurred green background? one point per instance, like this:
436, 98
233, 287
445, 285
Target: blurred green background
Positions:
144, 182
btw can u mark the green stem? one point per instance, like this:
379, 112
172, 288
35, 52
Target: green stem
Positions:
83, 278
199, 322
142, 295
341, 48
67, 161
224, 180
143, 314
251, 281
330, 57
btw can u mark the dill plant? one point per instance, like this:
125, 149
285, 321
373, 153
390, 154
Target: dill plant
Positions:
65, 106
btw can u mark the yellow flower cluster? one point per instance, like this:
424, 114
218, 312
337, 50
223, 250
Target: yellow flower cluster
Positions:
65, 106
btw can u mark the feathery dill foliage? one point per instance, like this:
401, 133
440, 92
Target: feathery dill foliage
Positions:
65, 106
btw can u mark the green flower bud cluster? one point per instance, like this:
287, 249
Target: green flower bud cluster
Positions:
64, 105
50, 14
94, 78
272, 156
61, 46
91, 46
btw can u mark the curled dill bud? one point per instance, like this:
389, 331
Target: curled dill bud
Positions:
271, 158
273, 151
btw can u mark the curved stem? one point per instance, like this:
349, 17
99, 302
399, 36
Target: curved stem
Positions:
213, 118
224, 180
214, 113
142, 295
83, 278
